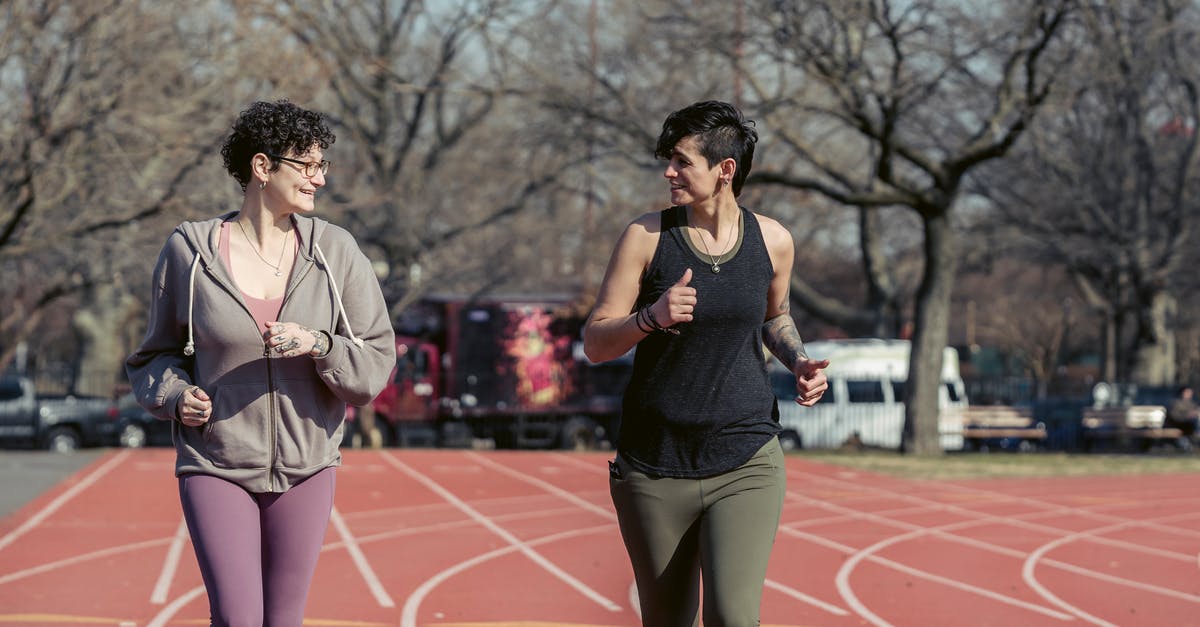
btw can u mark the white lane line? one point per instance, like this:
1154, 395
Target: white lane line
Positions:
599, 467
804, 598
1028, 573
168, 612
1021, 521
843, 576
944, 532
603, 512
79, 559
981, 518
1177, 524
488, 523
62, 499
408, 615
390, 513
170, 565
1091, 512
442, 527
360, 560
869, 553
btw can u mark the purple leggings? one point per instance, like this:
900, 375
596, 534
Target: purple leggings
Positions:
257, 552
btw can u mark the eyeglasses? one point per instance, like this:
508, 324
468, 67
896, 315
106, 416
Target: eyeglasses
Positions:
310, 168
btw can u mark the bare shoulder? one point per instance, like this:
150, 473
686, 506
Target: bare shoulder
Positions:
649, 223
775, 235
642, 233
630, 258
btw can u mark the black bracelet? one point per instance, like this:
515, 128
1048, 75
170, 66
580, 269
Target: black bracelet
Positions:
654, 322
637, 319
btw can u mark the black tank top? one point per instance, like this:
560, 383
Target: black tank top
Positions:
699, 403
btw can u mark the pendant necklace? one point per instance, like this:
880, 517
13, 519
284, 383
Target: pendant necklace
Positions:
277, 266
716, 267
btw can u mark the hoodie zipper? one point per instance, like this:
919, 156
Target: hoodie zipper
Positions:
272, 391
272, 418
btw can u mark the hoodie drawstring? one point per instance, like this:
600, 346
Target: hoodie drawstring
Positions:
337, 295
189, 349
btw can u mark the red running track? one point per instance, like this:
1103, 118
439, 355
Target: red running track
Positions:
499, 539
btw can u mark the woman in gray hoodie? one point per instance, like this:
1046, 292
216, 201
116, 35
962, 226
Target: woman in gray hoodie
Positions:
264, 324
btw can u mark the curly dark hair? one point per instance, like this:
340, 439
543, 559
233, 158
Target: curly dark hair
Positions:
277, 128
721, 132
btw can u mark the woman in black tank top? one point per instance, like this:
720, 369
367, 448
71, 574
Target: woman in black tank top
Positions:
699, 289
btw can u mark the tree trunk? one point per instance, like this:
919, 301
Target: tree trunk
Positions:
1154, 361
881, 289
99, 326
929, 339
1110, 347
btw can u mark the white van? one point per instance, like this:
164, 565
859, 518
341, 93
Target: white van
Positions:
865, 396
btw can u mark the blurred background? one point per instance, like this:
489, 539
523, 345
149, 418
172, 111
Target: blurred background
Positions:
1014, 180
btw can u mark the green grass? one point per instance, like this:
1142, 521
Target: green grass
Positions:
1006, 465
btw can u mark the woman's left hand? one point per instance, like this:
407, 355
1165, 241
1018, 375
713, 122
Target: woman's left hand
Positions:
288, 339
810, 380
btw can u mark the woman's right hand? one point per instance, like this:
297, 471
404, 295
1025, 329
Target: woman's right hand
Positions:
677, 303
195, 407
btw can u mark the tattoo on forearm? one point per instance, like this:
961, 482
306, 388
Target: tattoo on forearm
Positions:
780, 336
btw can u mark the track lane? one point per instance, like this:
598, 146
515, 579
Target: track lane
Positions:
1122, 551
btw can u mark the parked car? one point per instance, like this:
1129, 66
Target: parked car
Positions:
137, 428
57, 423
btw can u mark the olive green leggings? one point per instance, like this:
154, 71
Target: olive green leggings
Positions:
721, 528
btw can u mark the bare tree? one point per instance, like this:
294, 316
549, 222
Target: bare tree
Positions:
433, 158
893, 104
1106, 188
112, 113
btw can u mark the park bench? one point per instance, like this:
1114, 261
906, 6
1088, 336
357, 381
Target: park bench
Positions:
1128, 427
1001, 426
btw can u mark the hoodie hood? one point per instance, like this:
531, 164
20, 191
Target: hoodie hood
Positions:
203, 239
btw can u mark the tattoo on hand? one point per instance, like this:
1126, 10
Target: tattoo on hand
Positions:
320, 345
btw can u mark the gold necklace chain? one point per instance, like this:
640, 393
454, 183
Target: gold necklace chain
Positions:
276, 266
716, 267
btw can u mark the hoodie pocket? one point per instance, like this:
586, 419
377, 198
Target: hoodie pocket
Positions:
310, 419
239, 435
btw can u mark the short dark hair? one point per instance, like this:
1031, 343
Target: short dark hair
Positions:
721, 132
278, 128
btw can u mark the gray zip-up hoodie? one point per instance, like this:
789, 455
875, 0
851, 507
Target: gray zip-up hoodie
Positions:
275, 420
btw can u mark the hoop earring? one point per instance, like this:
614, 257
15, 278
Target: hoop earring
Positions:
262, 185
